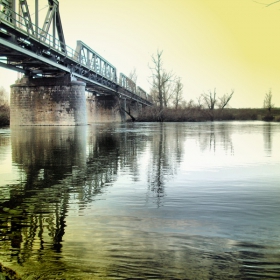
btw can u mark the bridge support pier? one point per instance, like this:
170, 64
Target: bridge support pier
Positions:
123, 109
48, 101
101, 108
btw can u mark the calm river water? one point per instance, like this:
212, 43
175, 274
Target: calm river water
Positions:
141, 201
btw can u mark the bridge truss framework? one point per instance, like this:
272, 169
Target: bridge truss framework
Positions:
42, 52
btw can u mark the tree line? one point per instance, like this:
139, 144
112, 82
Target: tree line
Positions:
167, 93
169, 103
168, 88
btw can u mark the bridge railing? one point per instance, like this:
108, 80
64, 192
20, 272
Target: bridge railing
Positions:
127, 83
95, 62
141, 93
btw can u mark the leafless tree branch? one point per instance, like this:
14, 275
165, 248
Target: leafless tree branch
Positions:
272, 3
267, 103
224, 100
178, 93
133, 75
160, 80
265, 4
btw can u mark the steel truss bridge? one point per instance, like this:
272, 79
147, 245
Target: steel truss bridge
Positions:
42, 52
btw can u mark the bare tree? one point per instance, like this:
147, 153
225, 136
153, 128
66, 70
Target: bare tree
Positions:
160, 80
210, 99
224, 100
267, 103
3, 96
189, 104
133, 75
178, 93
200, 101
168, 91
154, 94
4, 107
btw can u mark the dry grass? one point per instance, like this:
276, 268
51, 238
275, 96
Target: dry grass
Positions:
197, 114
191, 114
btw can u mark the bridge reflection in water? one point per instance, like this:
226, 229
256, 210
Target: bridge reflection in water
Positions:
59, 166
120, 201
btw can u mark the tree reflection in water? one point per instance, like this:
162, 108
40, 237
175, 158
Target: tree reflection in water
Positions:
213, 134
167, 151
267, 137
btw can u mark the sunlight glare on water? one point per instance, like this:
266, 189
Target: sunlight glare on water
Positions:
141, 201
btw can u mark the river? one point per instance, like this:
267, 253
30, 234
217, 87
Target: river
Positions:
141, 201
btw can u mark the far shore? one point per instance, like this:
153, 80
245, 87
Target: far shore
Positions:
197, 114
191, 114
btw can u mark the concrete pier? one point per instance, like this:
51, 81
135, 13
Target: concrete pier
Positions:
103, 109
110, 108
48, 101
63, 101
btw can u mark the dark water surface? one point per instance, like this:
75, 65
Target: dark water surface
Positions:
141, 201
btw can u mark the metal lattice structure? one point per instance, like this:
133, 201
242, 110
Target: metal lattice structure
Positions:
127, 83
42, 52
94, 62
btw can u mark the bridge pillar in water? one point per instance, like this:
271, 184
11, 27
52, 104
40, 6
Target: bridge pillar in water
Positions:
123, 103
102, 108
48, 101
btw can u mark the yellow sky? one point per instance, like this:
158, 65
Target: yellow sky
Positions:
222, 44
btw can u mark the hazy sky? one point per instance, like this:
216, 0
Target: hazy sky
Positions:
222, 44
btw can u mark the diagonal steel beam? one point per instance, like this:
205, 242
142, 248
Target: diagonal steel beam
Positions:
60, 30
48, 21
53, 17
26, 16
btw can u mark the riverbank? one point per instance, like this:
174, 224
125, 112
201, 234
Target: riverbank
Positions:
196, 114
187, 115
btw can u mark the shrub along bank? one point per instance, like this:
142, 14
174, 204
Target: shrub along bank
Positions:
4, 115
197, 114
194, 114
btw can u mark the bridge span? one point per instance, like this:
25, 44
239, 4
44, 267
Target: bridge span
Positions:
56, 77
